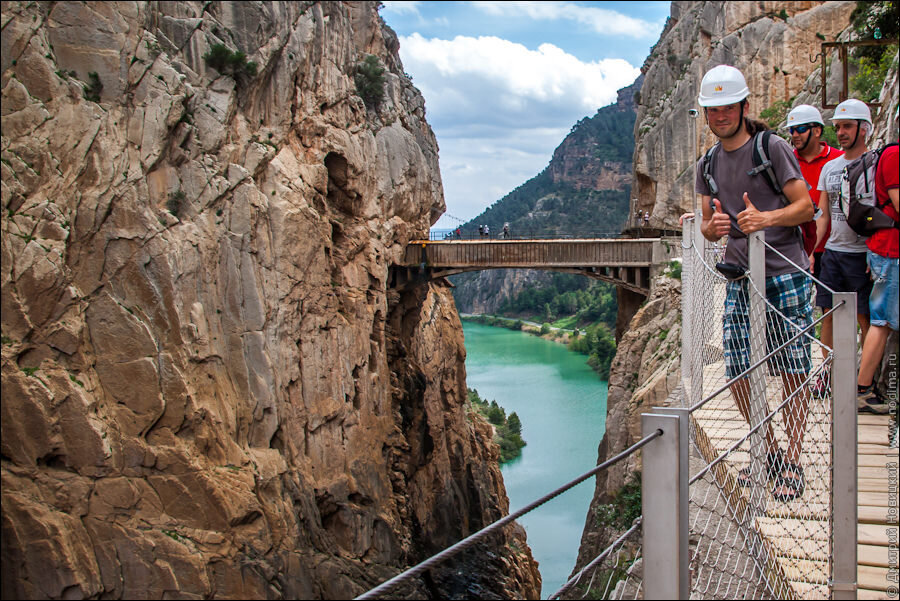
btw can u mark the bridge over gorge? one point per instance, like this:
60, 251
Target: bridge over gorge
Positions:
628, 263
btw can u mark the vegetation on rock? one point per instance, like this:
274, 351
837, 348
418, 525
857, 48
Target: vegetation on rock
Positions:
508, 429
369, 80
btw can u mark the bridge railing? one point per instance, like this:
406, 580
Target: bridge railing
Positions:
735, 529
521, 234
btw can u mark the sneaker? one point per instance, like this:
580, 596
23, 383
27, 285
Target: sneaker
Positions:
870, 402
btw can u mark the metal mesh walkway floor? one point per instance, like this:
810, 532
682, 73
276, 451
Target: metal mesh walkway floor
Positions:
795, 533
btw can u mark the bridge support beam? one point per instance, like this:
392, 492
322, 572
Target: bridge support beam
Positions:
628, 304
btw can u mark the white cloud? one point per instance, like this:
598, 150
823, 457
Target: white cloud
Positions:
402, 7
499, 109
499, 80
601, 20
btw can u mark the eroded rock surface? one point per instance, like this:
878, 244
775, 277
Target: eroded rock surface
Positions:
209, 388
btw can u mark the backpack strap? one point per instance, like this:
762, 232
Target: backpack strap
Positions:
762, 162
708, 161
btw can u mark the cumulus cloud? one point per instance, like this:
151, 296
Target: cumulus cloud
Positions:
499, 108
603, 21
491, 79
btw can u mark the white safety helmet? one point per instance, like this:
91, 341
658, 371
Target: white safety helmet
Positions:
853, 109
721, 86
804, 113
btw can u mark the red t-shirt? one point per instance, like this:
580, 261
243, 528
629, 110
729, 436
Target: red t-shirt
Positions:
886, 242
811, 171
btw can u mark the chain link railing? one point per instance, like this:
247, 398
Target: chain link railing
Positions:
764, 521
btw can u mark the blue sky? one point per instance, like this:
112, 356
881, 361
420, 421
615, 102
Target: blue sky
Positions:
504, 82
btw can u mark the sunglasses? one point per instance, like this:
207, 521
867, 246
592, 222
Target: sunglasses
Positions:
800, 129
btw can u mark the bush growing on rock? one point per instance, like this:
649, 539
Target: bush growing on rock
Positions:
229, 62
369, 80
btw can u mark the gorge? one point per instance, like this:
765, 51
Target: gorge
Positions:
210, 388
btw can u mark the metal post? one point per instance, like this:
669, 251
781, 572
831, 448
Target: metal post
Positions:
683, 526
758, 404
844, 448
689, 373
664, 541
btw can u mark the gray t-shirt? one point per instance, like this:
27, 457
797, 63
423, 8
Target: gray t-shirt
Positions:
732, 178
843, 238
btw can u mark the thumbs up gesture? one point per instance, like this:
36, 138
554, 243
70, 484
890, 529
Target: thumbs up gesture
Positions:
721, 223
750, 219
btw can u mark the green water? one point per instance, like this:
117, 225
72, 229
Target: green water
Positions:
562, 405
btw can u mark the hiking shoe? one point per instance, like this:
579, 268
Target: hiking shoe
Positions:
774, 463
870, 402
789, 488
820, 389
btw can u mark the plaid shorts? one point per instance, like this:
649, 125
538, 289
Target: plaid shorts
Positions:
790, 293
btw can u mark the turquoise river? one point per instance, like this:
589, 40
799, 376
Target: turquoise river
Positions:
562, 405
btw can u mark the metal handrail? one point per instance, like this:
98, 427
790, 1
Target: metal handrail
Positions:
477, 536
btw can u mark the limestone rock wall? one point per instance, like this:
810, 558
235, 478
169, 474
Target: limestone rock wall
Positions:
208, 387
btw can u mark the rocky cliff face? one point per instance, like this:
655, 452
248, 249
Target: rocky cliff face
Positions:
208, 387
578, 163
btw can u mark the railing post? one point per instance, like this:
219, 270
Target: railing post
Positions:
689, 371
844, 448
664, 480
758, 404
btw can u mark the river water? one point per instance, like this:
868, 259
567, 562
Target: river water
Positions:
562, 404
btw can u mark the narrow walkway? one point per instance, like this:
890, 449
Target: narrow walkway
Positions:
802, 568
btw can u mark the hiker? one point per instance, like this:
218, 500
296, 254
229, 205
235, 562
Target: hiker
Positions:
805, 124
481, 231
884, 265
506, 230
458, 233
736, 203
844, 266
487, 231
646, 218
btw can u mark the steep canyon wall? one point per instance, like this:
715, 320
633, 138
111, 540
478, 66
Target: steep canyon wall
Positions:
209, 388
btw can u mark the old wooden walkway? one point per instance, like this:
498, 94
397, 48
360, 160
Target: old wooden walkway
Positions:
629, 263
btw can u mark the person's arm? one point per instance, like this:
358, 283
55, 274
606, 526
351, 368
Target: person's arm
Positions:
714, 224
894, 195
798, 210
824, 218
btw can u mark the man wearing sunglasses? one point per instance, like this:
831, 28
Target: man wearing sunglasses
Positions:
844, 266
806, 125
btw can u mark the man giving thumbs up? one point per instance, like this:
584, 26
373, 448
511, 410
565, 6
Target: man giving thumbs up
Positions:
737, 203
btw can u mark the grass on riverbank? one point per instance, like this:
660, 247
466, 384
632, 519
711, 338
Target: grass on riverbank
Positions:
507, 429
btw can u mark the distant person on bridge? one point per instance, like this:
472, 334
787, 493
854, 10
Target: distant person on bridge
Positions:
506, 230
744, 204
844, 262
646, 218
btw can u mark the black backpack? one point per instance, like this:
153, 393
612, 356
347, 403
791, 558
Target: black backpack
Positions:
762, 164
864, 219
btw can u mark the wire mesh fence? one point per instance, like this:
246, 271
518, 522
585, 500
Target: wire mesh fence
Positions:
760, 503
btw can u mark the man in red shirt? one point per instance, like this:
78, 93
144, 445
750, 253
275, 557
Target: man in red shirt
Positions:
884, 301
806, 125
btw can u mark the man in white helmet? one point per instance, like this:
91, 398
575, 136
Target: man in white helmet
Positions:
736, 204
844, 267
805, 125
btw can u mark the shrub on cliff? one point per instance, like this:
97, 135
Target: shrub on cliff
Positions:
369, 80
228, 62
